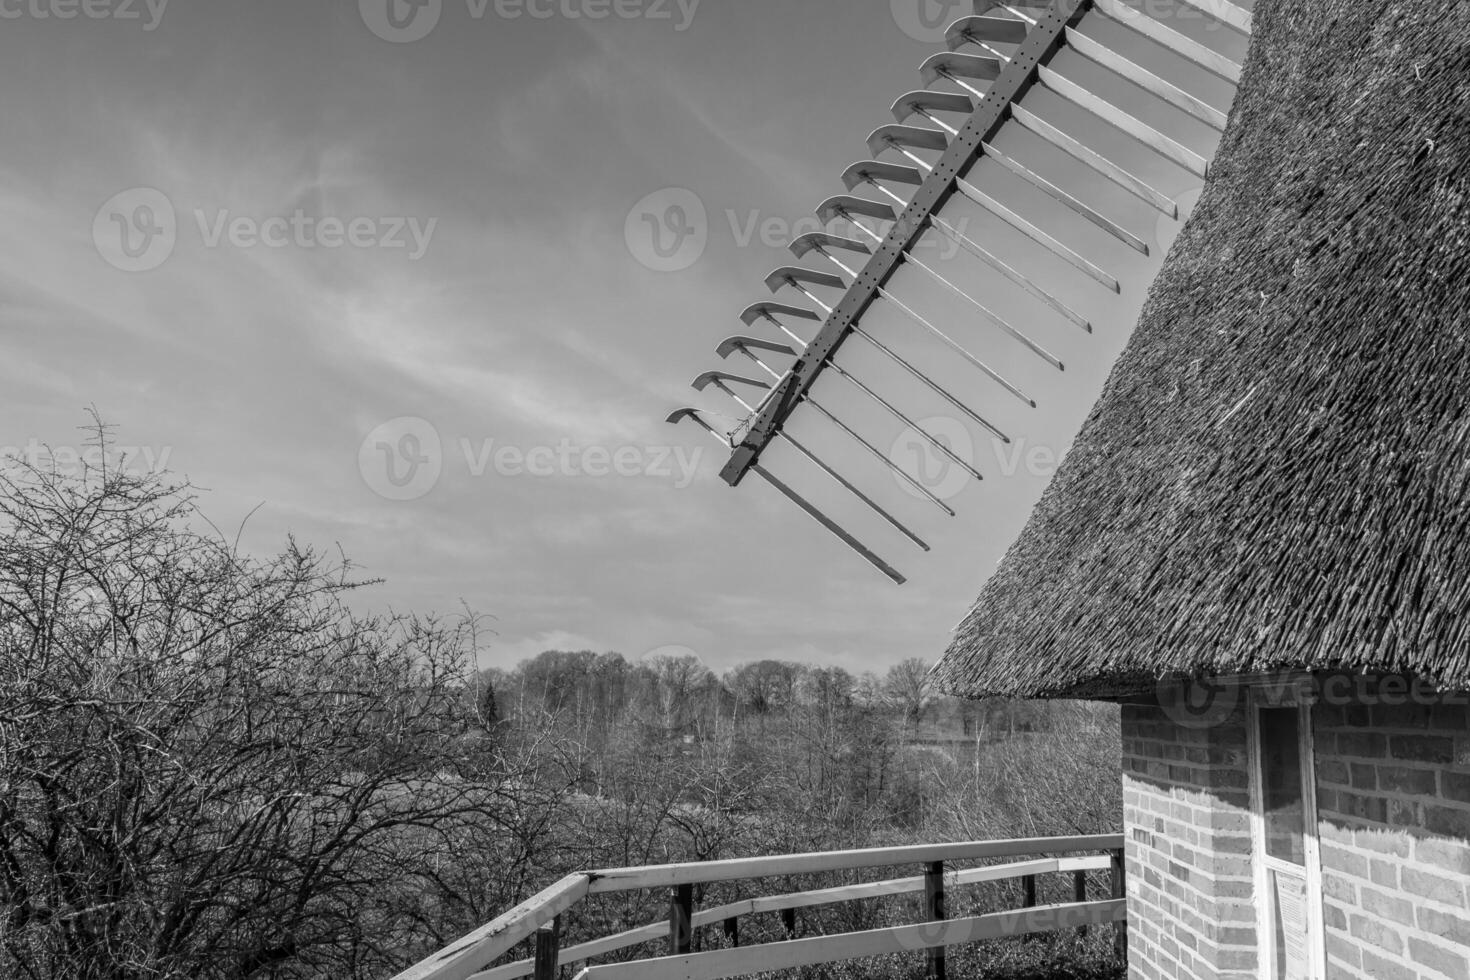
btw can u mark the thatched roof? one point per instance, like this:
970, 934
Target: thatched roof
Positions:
1277, 474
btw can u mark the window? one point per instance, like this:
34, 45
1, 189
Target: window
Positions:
1288, 878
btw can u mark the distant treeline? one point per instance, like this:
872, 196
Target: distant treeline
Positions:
678, 695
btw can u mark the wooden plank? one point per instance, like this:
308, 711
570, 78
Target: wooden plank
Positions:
1225, 12
668, 875
1095, 160
855, 945
1165, 146
1192, 105
464, 957
1156, 31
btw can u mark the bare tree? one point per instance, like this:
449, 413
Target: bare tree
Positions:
909, 688
209, 767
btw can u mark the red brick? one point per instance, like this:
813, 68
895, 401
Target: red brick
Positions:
1415, 782
1434, 887
1447, 962
1386, 937
1380, 968
1453, 926
1452, 856
1388, 906
1456, 786
1449, 821
1422, 748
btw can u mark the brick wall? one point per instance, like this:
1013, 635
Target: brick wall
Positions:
1186, 810
1393, 800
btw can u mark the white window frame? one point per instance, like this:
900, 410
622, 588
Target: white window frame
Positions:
1261, 862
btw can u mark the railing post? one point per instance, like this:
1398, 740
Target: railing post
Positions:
1120, 890
1028, 892
788, 919
681, 920
732, 932
548, 938
1079, 893
934, 912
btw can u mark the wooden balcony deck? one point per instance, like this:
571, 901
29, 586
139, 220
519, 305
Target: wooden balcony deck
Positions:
468, 958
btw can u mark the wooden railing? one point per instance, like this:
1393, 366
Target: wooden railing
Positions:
540, 917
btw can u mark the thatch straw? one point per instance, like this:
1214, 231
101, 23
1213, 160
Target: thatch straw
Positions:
1277, 474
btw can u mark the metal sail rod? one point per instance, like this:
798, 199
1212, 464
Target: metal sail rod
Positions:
830, 525
1067, 199
880, 455
888, 406
973, 90
1034, 233
868, 555
999, 265
1165, 146
869, 447
893, 138
940, 334
1225, 12
985, 311
1158, 32
1028, 229
872, 505
1166, 91
1101, 164
919, 375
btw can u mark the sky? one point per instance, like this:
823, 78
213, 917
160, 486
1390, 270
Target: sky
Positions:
422, 283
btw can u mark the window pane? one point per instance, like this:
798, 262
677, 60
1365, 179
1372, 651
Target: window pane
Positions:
1281, 784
